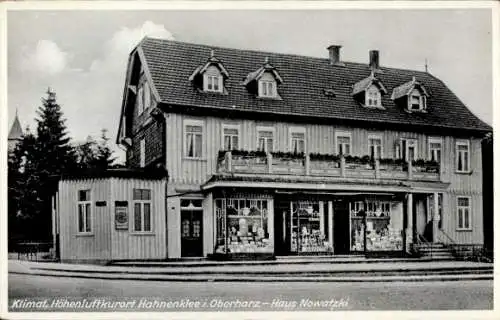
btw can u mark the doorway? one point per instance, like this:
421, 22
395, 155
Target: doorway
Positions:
341, 232
191, 233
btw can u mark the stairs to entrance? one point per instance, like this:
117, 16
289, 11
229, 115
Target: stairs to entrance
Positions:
435, 251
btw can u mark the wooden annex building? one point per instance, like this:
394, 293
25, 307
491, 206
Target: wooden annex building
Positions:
273, 154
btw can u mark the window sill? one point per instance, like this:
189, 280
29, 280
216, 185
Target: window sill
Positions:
85, 234
194, 159
462, 230
142, 233
464, 172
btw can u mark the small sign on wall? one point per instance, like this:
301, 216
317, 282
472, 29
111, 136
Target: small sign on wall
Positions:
121, 215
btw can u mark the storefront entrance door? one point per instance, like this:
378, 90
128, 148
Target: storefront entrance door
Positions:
191, 233
341, 226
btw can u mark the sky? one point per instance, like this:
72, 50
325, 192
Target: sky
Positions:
82, 55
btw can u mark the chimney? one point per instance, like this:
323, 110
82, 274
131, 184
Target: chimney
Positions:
334, 51
374, 62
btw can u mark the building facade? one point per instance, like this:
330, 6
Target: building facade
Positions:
273, 154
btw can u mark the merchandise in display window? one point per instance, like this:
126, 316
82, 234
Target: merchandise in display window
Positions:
308, 228
382, 227
242, 226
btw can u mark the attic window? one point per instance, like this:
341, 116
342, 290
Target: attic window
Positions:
210, 77
373, 97
212, 83
416, 101
267, 88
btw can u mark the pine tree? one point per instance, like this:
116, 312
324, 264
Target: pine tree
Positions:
54, 156
23, 184
105, 157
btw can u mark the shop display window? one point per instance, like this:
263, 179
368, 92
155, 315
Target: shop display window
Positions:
308, 228
242, 226
383, 227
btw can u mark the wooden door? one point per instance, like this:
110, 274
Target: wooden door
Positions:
191, 233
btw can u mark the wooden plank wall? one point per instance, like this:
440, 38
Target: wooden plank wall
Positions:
127, 244
320, 139
75, 246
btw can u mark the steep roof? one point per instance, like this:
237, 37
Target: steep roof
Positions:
16, 132
305, 80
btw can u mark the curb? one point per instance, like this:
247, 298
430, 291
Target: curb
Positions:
165, 278
388, 272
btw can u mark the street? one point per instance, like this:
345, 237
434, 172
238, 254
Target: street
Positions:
226, 296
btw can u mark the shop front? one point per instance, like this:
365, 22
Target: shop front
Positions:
272, 223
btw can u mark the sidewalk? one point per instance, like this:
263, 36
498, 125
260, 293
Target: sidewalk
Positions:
338, 272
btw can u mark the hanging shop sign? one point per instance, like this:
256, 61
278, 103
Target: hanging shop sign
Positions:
121, 215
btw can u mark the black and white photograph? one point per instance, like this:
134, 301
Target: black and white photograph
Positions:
256, 159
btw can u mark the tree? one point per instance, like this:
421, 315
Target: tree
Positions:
23, 183
93, 155
53, 157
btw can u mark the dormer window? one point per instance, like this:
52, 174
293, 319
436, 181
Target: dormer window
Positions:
264, 82
416, 101
211, 76
213, 83
267, 88
412, 96
368, 92
373, 97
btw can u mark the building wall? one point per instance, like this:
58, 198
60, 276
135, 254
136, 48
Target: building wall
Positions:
130, 245
105, 243
191, 173
75, 246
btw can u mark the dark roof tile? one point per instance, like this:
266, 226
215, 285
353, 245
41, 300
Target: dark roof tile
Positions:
304, 80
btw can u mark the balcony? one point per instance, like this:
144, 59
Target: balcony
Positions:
320, 165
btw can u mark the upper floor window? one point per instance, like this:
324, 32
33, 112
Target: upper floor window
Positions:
193, 139
298, 140
265, 139
373, 97
142, 210
147, 95
462, 155
84, 212
407, 149
343, 141
142, 153
140, 100
267, 88
375, 145
435, 149
416, 101
463, 213
231, 137
213, 83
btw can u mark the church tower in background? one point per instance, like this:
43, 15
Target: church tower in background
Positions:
15, 133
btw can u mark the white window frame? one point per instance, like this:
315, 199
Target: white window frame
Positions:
290, 140
422, 100
459, 208
433, 140
142, 153
208, 77
142, 205
268, 84
414, 142
376, 137
462, 143
372, 89
146, 93
197, 123
266, 129
140, 100
89, 213
231, 126
343, 134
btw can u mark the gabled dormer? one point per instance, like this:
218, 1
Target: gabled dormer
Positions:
368, 92
211, 76
412, 96
264, 81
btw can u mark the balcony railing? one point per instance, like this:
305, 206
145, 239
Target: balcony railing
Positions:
279, 163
